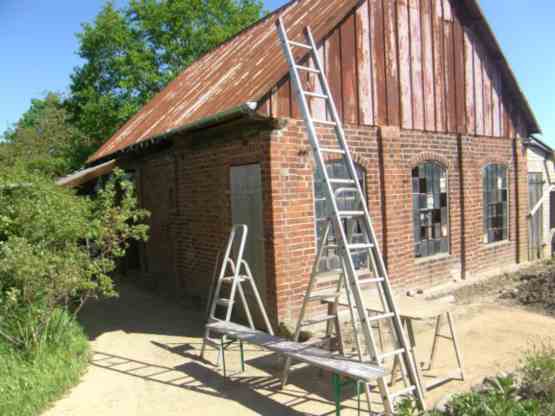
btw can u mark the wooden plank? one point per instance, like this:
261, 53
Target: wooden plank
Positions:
496, 104
405, 72
479, 87
439, 62
428, 66
447, 11
283, 107
333, 66
316, 357
364, 56
378, 61
391, 64
450, 85
415, 23
488, 110
469, 82
349, 71
460, 91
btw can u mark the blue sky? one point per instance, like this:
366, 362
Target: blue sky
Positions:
38, 44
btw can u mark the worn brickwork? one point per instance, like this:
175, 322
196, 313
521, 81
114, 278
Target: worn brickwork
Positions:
388, 155
196, 173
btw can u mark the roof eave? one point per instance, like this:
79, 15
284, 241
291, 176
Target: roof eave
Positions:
246, 110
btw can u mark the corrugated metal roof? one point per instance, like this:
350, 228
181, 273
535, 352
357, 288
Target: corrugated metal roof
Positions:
244, 69
240, 70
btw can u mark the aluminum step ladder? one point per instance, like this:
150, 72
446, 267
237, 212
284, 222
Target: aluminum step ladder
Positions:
345, 224
233, 273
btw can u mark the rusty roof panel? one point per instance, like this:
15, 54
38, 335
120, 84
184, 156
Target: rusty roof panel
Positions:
240, 70
246, 67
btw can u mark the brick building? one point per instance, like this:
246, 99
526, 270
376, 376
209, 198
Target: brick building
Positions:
433, 115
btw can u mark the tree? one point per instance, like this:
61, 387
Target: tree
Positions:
57, 250
132, 53
44, 140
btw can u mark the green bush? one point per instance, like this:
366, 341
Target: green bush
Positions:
58, 249
30, 381
531, 392
538, 376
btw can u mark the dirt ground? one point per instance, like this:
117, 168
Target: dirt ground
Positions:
145, 362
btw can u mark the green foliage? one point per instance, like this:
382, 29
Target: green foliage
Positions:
44, 140
57, 250
530, 393
538, 376
132, 53
29, 382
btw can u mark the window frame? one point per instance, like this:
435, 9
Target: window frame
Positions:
486, 240
363, 180
444, 174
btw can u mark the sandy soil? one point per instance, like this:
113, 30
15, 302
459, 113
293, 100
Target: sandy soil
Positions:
145, 362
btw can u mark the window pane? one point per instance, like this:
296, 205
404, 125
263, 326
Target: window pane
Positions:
346, 201
430, 209
495, 203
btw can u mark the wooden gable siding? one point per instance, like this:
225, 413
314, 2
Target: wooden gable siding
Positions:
410, 63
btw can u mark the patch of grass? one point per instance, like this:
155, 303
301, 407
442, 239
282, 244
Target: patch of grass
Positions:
30, 381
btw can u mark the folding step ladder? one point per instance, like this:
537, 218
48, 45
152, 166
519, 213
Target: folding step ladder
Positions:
344, 223
234, 271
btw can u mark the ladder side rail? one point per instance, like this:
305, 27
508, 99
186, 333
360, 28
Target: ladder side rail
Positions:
221, 275
245, 305
258, 298
238, 260
368, 223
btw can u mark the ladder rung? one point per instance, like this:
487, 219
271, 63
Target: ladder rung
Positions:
307, 69
381, 317
361, 246
229, 279
316, 321
300, 45
391, 354
325, 122
369, 281
316, 95
342, 181
346, 214
329, 150
318, 296
224, 302
404, 392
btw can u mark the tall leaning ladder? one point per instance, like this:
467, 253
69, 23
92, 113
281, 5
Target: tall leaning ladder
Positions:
234, 272
351, 278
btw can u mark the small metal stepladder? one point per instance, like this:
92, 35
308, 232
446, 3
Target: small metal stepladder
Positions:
234, 271
346, 223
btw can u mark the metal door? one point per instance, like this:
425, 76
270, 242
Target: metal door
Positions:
247, 208
535, 195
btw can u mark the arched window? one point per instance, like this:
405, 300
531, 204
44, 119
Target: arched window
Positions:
323, 210
430, 209
496, 197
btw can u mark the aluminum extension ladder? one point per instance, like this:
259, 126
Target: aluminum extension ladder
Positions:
344, 223
234, 271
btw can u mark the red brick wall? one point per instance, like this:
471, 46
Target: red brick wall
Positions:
390, 203
201, 220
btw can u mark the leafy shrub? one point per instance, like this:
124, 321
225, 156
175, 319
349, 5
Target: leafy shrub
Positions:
538, 376
58, 249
